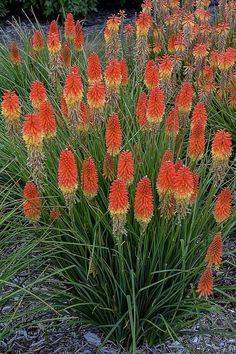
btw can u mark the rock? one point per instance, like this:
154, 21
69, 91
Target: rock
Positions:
93, 339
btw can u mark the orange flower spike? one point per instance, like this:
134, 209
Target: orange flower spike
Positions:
167, 156
183, 185
69, 27
125, 169
46, 115
196, 142
113, 23
147, 6
143, 202
214, 58
108, 167
83, 125
73, 88
143, 24
89, 178
156, 106
221, 146
54, 44
113, 135
205, 285
107, 35
94, 68
185, 97
199, 114
37, 41
195, 187
129, 30
214, 251
10, 106
165, 179
171, 44
151, 76
66, 55
64, 108
157, 47
55, 214
14, 54
118, 199
37, 94
31, 202
67, 173
172, 122
78, 37
200, 51
113, 74
222, 208
33, 131
96, 96
165, 68
141, 109
124, 72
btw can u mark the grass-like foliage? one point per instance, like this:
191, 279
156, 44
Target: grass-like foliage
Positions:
117, 165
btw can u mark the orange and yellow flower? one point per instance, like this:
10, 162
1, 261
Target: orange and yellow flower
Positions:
46, 115
37, 94
10, 106
221, 146
125, 170
172, 122
214, 251
151, 76
94, 68
199, 114
205, 285
54, 44
124, 72
113, 135
196, 141
183, 185
113, 75
118, 199
166, 178
67, 173
141, 109
33, 131
14, 54
73, 88
143, 25
69, 27
89, 178
37, 41
66, 55
143, 202
165, 68
31, 202
78, 37
222, 208
108, 169
96, 96
156, 106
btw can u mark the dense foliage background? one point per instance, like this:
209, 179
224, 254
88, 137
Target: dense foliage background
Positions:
50, 8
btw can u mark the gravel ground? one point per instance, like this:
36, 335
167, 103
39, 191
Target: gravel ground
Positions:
68, 336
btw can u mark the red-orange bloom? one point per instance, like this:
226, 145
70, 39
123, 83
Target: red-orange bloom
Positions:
151, 76
167, 156
47, 118
37, 94
15, 55
85, 118
113, 75
10, 105
67, 172
118, 199
165, 68
113, 135
124, 72
55, 214
200, 51
227, 59
37, 41
94, 68
156, 106
183, 185
143, 24
141, 109
79, 37
157, 46
205, 285
108, 169
89, 178
113, 23
221, 146
73, 89
32, 204
172, 122
147, 6
184, 100
199, 114
171, 44
125, 169
196, 141
64, 108
96, 95
33, 131
214, 251
143, 203
54, 44
222, 207
213, 59
69, 27
66, 55
128, 29
166, 179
